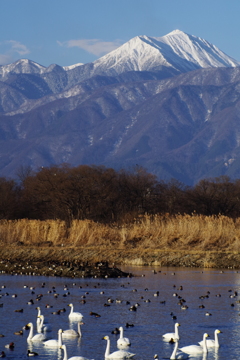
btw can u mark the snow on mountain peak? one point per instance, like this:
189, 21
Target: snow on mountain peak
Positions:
177, 50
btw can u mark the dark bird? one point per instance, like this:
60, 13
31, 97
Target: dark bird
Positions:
32, 353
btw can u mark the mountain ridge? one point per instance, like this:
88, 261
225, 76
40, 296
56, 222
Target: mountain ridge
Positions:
169, 104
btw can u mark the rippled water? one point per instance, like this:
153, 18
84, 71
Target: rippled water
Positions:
151, 320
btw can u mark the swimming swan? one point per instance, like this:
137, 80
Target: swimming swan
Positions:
39, 314
69, 333
196, 349
37, 337
73, 357
74, 315
211, 342
178, 354
53, 343
41, 327
174, 335
120, 354
122, 342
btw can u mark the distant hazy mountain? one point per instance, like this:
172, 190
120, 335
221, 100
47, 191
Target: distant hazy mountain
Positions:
170, 104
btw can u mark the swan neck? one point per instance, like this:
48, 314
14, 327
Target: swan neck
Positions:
60, 338
79, 330
216, 339
173, 356
121, 332
65, 353
107, 352
204, 344
30, 332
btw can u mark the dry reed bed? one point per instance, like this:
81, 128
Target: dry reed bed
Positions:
181, 232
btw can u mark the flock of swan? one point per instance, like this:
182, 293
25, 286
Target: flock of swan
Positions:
191, 350
123, 343
40, 334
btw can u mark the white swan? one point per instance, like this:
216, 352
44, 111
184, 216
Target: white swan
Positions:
37, 337
53, 343
39, 314
178, 354
41, 327
196, 349
74, 315
211, 342
120, 354
122, 342
73, 357
73, 333
175, 335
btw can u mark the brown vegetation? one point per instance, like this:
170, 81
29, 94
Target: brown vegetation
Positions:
93, 212
164, 232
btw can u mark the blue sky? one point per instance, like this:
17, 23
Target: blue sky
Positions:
66, 32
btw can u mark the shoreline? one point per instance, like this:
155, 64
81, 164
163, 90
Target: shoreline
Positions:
78, 262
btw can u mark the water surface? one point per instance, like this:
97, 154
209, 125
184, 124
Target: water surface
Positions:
152, 319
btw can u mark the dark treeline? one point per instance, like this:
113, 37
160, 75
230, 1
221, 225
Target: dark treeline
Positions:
105, 195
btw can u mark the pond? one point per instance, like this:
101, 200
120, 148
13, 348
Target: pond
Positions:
211, 300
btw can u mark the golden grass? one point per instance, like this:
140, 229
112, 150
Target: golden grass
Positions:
180, 232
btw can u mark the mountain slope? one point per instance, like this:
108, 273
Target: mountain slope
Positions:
170, 104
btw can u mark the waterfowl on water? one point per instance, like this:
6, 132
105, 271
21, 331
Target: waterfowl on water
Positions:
31, 353
53, 343
74, 315
174, 335
37, 337
10, 346
178, 354
196, 349
65, 357
119, 354
69, 333
122, 342
2, 354
211, 342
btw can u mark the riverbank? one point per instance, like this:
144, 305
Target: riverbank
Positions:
92, 262
51, 248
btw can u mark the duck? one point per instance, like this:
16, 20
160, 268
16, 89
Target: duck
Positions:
174, 335
10, 346
53, 343
69, 333
65, 357
122, 342
20, 332
31, 353
196, 349
74, 315
211, 342
119, 354
178, 354
37, 337
2, 354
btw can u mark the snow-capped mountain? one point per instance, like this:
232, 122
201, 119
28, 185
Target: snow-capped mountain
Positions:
170, 104
177, 50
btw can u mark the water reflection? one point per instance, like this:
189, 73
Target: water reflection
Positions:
157, 310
